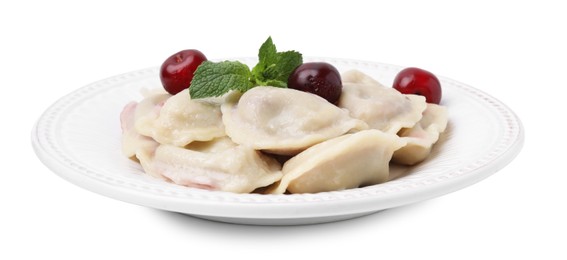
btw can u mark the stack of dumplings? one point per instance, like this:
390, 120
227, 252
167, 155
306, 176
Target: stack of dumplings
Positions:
278, 140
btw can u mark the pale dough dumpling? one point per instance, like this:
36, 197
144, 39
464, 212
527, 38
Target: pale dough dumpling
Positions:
182, 120
422, 136
284, 121
146, 109
215, 165
380, 107
134, 145
345, 162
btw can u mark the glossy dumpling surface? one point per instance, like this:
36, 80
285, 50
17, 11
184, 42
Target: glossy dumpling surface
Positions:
182, 120
284, 121
422, 136
134, 145
215, 165
380, 107
345, 162
147, 109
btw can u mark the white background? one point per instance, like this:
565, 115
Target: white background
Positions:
514, 51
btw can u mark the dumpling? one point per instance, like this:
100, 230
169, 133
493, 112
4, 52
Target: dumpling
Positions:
422, 136
182, 121
134, 145
148, 109
215, 146
132, 141
215, 165
284, 121
345, 162
380, 107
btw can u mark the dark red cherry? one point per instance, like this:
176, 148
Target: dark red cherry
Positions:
176, 72
419, 82
319, 78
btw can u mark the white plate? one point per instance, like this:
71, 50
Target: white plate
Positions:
78, 138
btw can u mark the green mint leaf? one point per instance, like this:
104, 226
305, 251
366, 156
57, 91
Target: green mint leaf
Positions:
268, 53
276, 83
213, 79
267, 56
287, 62
274, 66
271, 72
257, 74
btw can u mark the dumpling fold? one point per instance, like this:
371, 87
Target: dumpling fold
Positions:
422, 136
182, 120
284, 121
345, 162
381, 107
215, 165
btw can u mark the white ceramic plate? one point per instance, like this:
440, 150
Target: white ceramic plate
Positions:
78, 138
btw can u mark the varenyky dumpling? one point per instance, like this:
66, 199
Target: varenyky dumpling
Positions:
283, 121
181, 121
219, 165
132, 141
422, 136
380, 107
345, 162
134, 145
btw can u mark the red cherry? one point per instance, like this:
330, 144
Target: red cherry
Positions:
419, 82
319, 78
176, 72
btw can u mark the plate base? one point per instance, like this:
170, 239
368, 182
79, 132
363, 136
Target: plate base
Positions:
283, 221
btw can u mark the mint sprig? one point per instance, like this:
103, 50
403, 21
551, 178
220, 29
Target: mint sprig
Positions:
274, 67
213, 79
